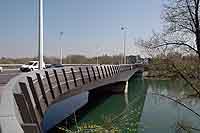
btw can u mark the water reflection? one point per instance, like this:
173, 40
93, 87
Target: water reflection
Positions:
142, 111
163, 115
123, 110
126, 98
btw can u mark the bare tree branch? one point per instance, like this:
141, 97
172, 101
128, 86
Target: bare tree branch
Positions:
184, 77
179, 44
178, 103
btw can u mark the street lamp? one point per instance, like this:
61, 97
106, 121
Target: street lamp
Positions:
124, 29
97, 59
40, 35
61, 56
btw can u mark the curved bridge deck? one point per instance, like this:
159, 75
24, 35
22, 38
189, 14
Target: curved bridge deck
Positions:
28, 96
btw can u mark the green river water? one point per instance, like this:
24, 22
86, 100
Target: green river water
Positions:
143, 110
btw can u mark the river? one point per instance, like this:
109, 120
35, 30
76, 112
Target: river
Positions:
148, 107
144, 109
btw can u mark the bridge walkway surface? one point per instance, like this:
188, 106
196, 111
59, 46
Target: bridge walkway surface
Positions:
5, 76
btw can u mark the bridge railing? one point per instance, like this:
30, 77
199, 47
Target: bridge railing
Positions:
39, 89
17, 66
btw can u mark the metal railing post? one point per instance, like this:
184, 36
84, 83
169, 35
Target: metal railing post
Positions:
114, 68
57, 80
102, 71
42, 89
74, 77
50, 85
98, 72
106, 71
111, 70
88, 74
66, 80
94, 73
108, 67
82, 77
35, 97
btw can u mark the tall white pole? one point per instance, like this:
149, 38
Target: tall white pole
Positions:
97, 54
124, 44
61, 59
60, 55
124, 30
40, 36
97, 59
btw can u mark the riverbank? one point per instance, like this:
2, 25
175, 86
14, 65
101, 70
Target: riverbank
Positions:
160, 75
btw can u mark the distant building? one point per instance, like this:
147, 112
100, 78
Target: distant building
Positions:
132, 59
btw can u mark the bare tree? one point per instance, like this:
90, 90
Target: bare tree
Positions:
182, 24
181, 27
181, 34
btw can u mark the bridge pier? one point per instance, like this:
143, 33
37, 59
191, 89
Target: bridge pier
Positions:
126, 88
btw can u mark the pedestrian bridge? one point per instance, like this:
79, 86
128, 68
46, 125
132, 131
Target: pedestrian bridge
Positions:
29, 98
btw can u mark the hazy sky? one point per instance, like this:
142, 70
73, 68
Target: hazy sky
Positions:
90, 26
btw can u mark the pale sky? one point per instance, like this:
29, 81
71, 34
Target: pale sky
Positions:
90, 27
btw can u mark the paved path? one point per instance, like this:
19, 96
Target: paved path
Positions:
6, 76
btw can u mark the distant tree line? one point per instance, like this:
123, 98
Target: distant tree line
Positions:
71, 59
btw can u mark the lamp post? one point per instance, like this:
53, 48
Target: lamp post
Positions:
40, 35
60, 36
97, 52
61, 56
124, 29
97, 59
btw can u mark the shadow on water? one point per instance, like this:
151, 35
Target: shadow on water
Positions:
123, 110
93, 101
